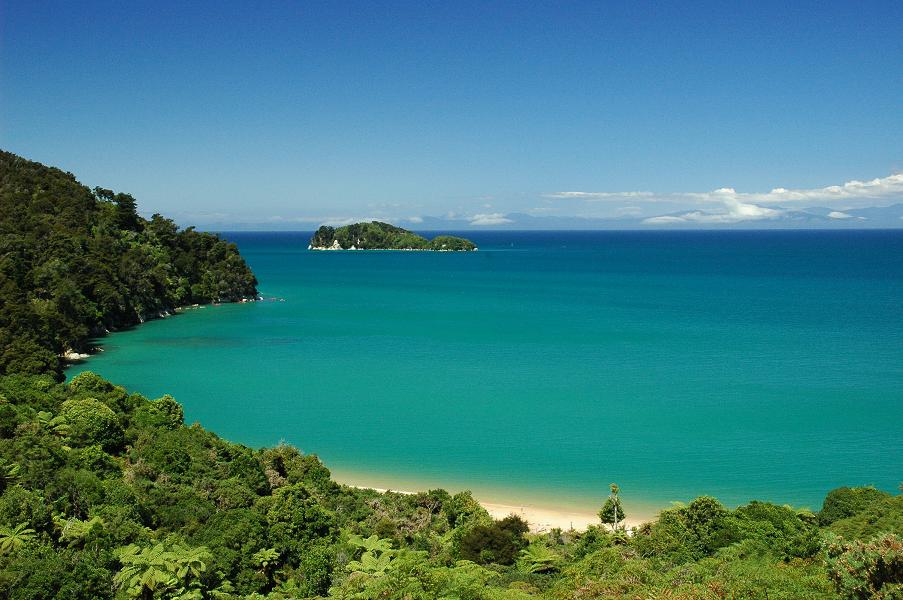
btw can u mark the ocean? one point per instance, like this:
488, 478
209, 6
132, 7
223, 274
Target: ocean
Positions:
739, 364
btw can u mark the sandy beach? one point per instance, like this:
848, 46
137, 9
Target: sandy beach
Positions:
540, 518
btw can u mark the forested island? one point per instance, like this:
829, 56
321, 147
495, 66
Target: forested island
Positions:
383, 236
108, 494
76, 263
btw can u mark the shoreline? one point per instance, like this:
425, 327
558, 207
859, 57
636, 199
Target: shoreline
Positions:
353, 249
541, 519
71, 357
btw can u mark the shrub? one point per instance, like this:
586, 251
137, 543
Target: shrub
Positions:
866, 569
845, 502
500, 542
92, 422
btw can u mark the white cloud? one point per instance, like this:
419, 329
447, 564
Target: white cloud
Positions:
414, 219
490, 219
836, 214
595, 196
733, 211
873, 189
340, 221
733, 206
664, 220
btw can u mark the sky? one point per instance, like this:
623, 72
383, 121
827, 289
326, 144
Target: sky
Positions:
277, 113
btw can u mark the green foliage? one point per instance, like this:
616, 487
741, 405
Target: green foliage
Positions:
866, 569
266, 558
9, 473
450, 243
885, 515
296, 521
612, 512
164, 412
462, 509
76, 532
286, 465
375, 558
785, 532
845, 502
38, 571
499, 542
90, 383
12, 538
75, 263
91, 422
537, 558
161, 571
383, 236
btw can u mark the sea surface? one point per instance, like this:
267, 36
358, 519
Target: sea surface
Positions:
743, 365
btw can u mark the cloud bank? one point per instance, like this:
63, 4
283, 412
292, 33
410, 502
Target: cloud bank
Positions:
490, 219
727, 205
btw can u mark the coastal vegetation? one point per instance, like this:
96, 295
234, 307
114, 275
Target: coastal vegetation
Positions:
75, 263
107, 494
383, 236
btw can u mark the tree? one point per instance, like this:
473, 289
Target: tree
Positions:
845, 502
376, 556
296, 520
92, 422
127, 212
499, 542
74, 531
537, 558
12, 538
612, 513
9, 473
160, 571
267, 560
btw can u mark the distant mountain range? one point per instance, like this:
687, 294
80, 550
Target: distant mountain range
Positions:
816, 217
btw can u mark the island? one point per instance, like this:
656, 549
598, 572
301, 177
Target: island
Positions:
106, 494
383, 236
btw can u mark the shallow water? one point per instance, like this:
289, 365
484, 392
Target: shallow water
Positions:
742, 365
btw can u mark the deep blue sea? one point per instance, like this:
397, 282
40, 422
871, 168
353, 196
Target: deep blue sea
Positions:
546, 365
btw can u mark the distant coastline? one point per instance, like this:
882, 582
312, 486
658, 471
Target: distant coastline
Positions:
353, 249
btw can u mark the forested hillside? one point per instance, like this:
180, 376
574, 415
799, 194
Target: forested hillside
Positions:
383, 236
75, 263
107, 494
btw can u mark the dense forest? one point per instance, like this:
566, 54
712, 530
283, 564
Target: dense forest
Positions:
107, 494
383, 236
75, 263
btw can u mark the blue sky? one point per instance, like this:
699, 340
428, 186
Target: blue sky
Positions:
231, 112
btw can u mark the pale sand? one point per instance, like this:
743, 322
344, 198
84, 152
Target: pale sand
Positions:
540, 518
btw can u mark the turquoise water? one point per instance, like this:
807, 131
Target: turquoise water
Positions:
743, 365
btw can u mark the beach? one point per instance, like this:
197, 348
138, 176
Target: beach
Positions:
541, 519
